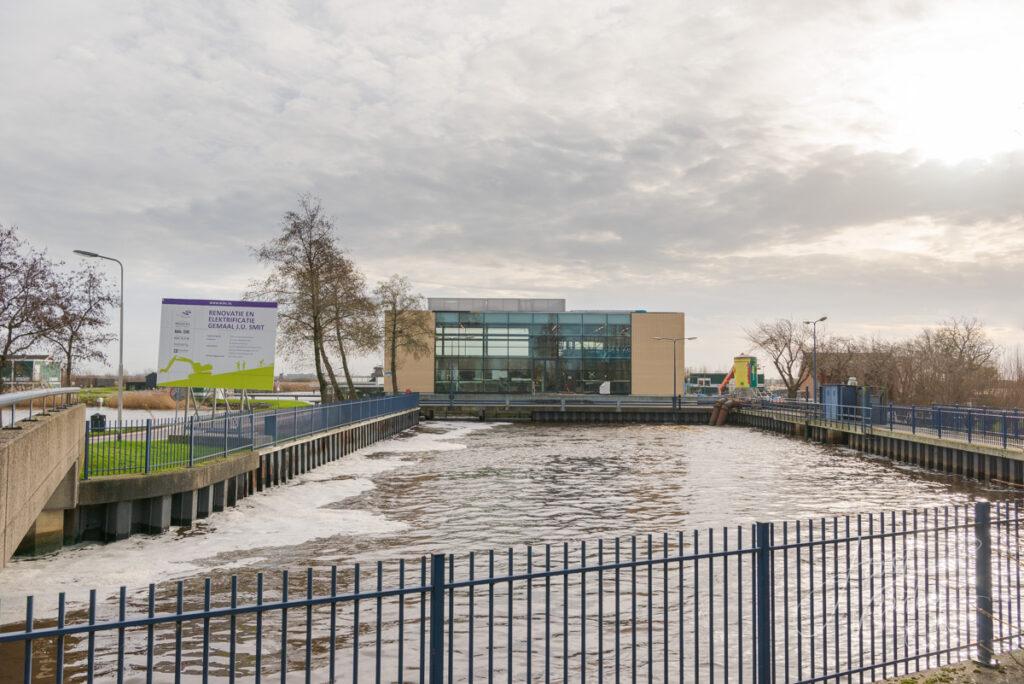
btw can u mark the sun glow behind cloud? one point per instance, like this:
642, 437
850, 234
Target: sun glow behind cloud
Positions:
953, 89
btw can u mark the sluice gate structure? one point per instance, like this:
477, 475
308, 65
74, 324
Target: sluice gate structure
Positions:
567, 409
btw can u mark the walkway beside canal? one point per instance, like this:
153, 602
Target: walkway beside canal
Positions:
957, 452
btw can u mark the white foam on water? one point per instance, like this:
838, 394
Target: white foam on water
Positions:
300, 511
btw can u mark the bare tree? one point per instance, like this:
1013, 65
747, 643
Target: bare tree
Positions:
351, 319
81, 302
300, 257
27, 294
406, 325
785, 342
959, 361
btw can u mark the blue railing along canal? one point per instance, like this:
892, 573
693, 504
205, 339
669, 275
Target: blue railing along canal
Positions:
846, 598
996, 427
153, 445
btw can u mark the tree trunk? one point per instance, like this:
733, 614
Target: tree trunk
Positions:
344, 365
318, 364
68, 357
330, 373
394, 352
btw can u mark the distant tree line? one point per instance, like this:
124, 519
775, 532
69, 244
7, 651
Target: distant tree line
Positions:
45, 307
327, 313
955, 362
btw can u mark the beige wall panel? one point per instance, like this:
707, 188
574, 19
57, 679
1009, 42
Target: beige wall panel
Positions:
652, 359
415, 375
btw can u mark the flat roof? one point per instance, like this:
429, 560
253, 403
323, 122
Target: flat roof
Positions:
495, 304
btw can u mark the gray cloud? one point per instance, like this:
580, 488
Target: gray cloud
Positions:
721, 158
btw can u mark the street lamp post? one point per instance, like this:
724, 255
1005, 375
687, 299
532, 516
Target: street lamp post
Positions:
814, 353
120, 336
674, 340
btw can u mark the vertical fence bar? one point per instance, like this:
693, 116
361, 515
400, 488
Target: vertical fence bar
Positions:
983, 580
149, 444
191, 441
436, 618
763, 595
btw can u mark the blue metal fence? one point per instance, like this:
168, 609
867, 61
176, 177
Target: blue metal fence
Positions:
1002, 428
153, 445
849, 598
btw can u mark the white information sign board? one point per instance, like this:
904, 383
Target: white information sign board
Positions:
217, 344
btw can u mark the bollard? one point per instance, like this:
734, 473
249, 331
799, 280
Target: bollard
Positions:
983, 580
436, 619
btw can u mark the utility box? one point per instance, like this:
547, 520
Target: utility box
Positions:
839, 401
852, 403
97, 422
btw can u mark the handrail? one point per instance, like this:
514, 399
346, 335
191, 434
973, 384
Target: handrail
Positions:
31, 395
12, 399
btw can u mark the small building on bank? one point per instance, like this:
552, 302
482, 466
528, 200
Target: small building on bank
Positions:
30, 371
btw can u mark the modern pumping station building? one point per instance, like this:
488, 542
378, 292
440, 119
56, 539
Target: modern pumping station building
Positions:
536, 346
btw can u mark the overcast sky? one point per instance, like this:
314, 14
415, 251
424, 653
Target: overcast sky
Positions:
736, 161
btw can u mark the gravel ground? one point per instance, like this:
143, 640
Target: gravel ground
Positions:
1009, 671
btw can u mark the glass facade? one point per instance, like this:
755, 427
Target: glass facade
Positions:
527, 353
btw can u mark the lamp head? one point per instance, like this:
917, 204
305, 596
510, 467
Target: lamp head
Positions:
82, 252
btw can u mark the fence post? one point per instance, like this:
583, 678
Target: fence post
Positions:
970, 425
763, 534
983, 579
1005, 435
938, 421
191, 441
252, 430
85, 462
436, 619
891, 417
225, 434
913, 420
149, 444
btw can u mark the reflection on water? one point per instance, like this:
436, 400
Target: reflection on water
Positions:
456, 488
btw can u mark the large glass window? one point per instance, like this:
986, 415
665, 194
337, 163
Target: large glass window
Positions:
532, 353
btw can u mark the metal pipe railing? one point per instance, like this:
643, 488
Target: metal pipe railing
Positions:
13, 399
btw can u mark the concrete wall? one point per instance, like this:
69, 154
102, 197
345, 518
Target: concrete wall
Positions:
39, 463
652, 359
414, 374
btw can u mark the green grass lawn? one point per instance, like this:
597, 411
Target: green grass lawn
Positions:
264, 404
128, 456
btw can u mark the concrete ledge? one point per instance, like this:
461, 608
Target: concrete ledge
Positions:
131, 487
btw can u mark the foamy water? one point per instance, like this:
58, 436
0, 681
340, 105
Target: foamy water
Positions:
301, 511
